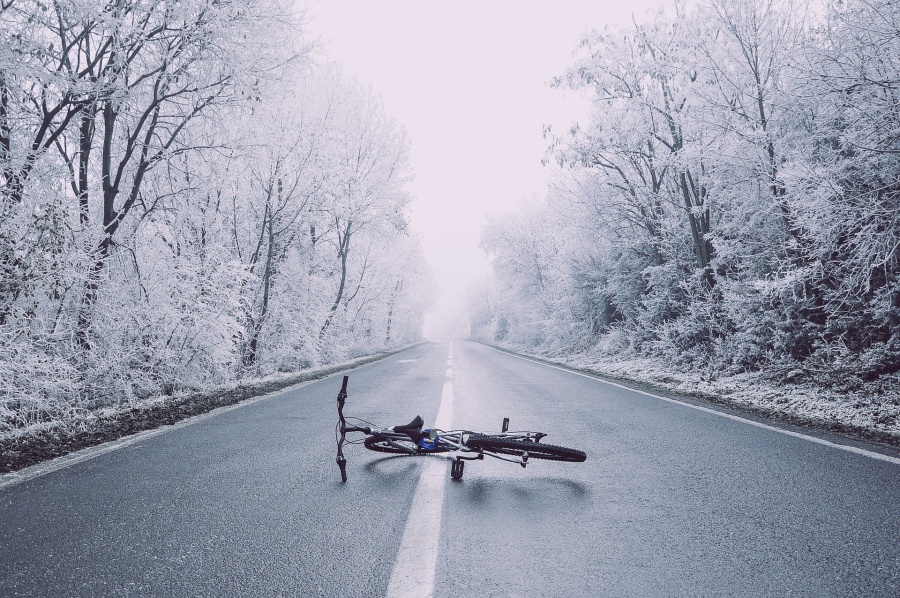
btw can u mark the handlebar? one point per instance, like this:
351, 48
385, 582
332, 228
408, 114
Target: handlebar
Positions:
342, 423
427, 439
343, 428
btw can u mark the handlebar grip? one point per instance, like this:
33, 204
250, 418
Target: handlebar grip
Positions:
342, 395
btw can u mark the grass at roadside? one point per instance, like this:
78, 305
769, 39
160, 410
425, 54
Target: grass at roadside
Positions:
21, 448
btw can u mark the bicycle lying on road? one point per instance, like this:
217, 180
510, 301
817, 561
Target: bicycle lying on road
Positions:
413, 439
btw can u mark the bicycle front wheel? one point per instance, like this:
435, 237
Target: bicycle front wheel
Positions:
535, 450
400, 446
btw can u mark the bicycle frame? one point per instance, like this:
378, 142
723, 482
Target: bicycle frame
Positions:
452, 440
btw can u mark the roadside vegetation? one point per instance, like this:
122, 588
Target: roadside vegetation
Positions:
34, 444
191, 199
728, 218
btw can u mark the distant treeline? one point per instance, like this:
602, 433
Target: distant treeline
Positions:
733, 203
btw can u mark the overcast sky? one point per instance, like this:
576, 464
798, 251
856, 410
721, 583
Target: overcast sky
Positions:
469, 80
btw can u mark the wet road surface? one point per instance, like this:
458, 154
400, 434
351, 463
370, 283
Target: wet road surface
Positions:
671, 501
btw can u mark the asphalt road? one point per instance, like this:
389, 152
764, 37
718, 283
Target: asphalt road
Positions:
672, 501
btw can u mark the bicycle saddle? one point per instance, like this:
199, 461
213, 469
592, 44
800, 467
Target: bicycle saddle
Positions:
413, 429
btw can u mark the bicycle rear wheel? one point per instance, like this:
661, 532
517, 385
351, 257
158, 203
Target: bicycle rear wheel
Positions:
400, 446
535, 450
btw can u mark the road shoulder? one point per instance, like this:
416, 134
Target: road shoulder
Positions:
54, 440
832, 429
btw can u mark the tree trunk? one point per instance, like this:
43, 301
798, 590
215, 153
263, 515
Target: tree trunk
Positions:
699, 218
92, 283
5, 132
252, 352
343, 248
397, 288
85, 138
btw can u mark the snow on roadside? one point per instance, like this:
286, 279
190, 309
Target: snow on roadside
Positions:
870, 410
83, 419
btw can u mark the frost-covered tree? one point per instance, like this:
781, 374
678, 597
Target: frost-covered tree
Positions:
186, 199
365, 195
731, 202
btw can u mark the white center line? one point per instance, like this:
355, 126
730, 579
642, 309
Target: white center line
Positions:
843, 447
414, 569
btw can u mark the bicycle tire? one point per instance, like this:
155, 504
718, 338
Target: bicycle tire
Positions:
535, 450
381, 444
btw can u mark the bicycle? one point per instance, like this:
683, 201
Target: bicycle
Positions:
413, 439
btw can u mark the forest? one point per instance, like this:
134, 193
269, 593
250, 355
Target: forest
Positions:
730, 207
190, 196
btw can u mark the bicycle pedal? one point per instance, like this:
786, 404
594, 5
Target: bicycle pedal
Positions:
456, 469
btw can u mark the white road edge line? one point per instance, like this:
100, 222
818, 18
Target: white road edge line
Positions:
416, 564
39, 469
843, 447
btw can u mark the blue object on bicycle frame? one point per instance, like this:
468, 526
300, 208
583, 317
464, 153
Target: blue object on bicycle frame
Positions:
424, 444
